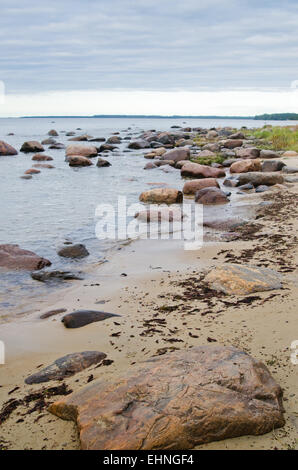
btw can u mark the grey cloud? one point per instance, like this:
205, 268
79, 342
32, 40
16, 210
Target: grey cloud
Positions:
148, 44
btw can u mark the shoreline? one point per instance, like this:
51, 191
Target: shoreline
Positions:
259, 329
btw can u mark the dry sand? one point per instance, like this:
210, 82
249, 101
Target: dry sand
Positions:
158, 274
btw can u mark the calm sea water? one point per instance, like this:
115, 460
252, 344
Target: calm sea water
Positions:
59, 204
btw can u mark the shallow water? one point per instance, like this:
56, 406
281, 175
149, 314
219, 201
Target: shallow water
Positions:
59, 204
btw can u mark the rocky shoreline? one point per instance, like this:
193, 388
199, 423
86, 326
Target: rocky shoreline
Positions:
231, 293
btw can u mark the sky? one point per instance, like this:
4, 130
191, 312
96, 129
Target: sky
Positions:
197, 57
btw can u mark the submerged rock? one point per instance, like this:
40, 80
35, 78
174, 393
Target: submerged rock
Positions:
53, 133
66, 366
81, 318
73, 251
177, 401
102, 162
47, 276
13, 257
42, 158
236, 279
6, 149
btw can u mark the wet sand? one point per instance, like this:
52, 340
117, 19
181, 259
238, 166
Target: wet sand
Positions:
157, 276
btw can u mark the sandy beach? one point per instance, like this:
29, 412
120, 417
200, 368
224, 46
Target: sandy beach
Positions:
149, 279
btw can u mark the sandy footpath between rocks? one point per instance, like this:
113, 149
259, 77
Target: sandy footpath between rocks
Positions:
155, 270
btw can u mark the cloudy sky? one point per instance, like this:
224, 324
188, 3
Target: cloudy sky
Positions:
148, 56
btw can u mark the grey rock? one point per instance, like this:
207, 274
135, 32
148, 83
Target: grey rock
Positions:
81, 318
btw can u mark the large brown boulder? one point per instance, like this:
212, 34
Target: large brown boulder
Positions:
243, 166
66, 366
177, 401
161, 195
191, 187
195, 170
77, 160
32, 146
81, 150
211, 195
177, 154
236, 279
13, 257
257, 179
6, 149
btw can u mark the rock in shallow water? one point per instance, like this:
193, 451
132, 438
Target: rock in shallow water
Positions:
32, 146
85, 317
66, 366
47, 276
236, 279
6, 149
13, 257
177, 401
73, 251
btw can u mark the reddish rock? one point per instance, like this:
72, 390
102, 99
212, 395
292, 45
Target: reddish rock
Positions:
232, 143
31, 171
248, 152
6, 149
195, 170
32, 146
13, 257
177, 154
177, 401
212, 195
41, 158
162, 195
243, 166
191, 187
77, 160
43, 165
81, 150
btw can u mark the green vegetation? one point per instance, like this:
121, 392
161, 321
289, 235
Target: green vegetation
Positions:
276, 138
209, 160
278, 117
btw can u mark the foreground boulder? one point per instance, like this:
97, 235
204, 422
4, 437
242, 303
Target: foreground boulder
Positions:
191, 187
211, 195
32, 146
162, 195
81, 150
66, 366
177, 154
73, 251
268, 179
6, 149
177, 401
195, 170
85, 317
236, 279
13, 257
243, 166
77, 160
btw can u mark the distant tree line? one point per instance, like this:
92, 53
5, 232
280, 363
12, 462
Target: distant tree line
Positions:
278, 117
